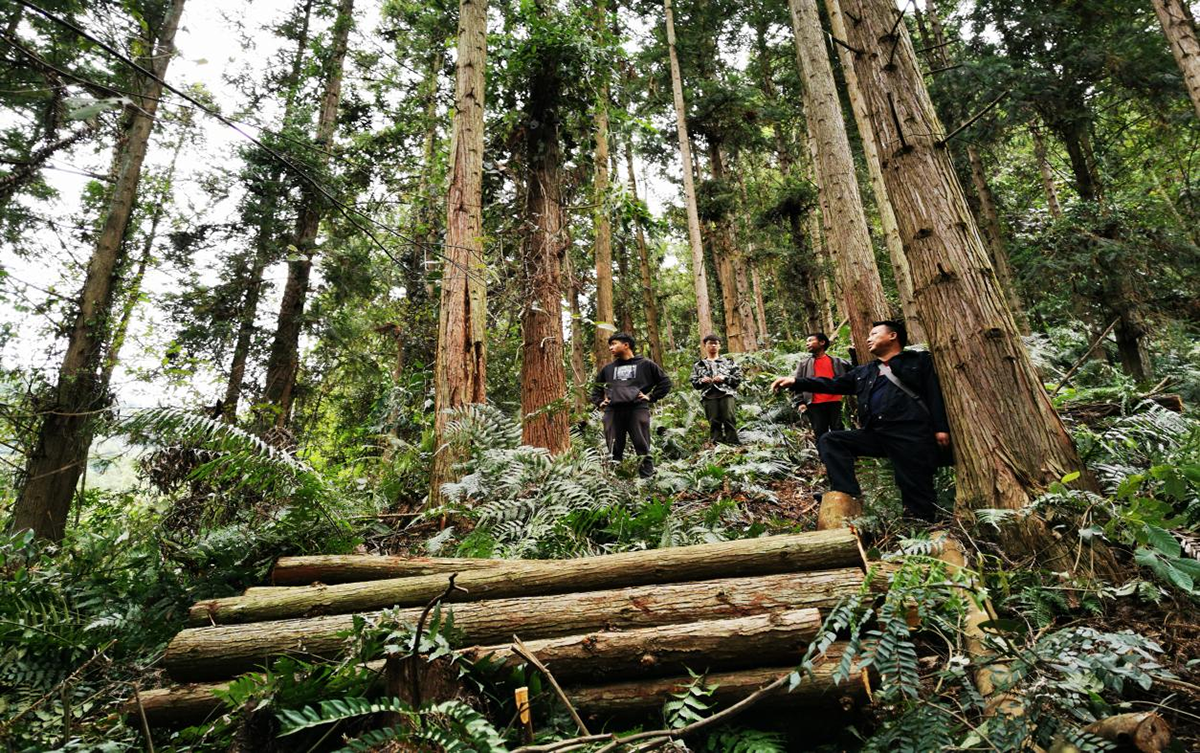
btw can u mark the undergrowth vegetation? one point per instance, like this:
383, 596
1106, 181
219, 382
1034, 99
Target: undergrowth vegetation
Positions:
83, 625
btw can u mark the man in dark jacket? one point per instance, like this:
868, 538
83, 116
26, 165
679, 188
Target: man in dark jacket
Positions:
902, 414
824, 411
624, 390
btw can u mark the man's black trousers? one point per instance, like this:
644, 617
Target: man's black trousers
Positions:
911, 448
824, 417
721, 413
634, 421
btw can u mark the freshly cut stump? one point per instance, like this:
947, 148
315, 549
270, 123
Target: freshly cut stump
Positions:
761, 556
223, 651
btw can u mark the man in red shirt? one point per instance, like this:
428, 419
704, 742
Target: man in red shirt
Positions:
823, 411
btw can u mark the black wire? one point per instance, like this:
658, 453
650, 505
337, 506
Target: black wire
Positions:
345, 210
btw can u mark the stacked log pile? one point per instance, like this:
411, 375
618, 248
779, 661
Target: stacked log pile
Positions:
619, 631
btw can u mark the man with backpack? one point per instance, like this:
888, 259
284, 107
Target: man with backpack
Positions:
902, 415
625, 389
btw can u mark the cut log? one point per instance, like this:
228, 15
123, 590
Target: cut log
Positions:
762, 556
1146, 732
836, 511
1089, 413
223, 651
628, 698
179, 705
351, 568
775, 638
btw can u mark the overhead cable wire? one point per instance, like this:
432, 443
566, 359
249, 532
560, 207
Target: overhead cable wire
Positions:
344, 209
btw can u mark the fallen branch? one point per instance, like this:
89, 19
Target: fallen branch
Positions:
1075, 366
520, 650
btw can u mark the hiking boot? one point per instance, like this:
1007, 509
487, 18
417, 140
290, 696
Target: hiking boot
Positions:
646, 467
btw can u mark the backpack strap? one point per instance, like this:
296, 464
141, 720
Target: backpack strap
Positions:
886, 372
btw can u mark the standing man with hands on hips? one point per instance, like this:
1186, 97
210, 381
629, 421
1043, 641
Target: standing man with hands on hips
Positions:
625, 390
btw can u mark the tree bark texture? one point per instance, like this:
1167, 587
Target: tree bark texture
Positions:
736, 301
771, 638
649, 299
579, 371
704, 319
636, 697
65, 434
994, 238
283, 363
887, 217
545, 420
460, 370
510, 578
841, 205
1009, 442
602, 224
1053, 206
222, 651
352, 568
1179, 27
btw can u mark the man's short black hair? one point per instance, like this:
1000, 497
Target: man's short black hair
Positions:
710, 338
624, 337
894, 326
821, 337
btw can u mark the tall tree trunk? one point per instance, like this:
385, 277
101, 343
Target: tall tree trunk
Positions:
283, 364
726, 259
543, 379
264, 237
1180, 29
1053, 206
65, 434
699, 275
460, 371
760, 306
601, 221
995, 240
805, 263
841, 204
579, 372
428, 217
649, 299
1073, 136
887, 218
133, 290
1009, 442
827, 299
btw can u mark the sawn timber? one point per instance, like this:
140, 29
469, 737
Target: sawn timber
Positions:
223, 651
505, 579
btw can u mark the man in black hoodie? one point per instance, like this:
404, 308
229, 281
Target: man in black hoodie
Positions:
624, 390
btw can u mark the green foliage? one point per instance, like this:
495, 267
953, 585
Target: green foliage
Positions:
729, 739
1064, 678
452, 725
689, 703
